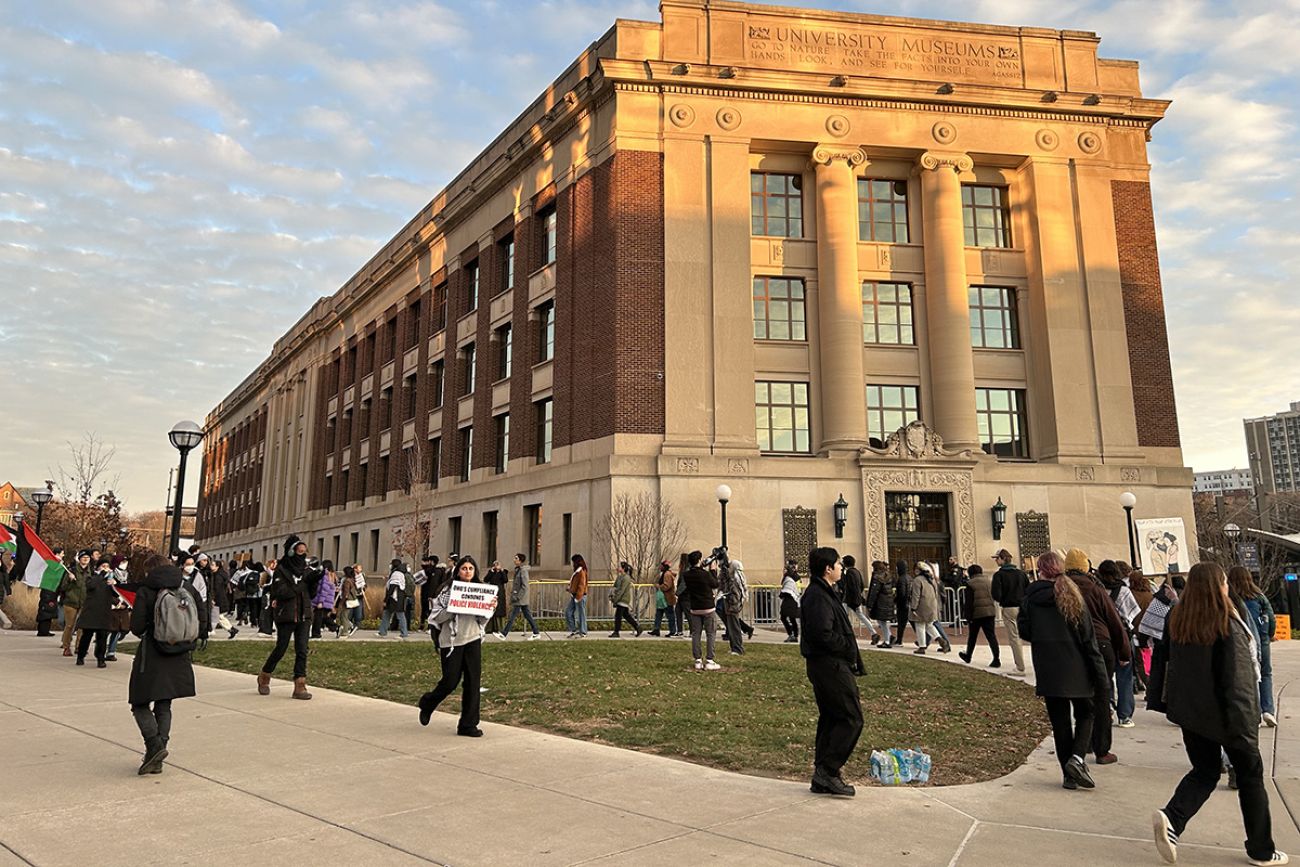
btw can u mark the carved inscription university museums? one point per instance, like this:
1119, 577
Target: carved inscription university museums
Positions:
895, 52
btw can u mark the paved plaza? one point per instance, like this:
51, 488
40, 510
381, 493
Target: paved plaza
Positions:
254, 780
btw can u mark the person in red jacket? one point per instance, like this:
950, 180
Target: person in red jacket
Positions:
1112, 641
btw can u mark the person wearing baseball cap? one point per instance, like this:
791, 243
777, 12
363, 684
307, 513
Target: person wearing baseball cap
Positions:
1009, 586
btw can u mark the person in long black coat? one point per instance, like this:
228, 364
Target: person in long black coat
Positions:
293, 587
833, 662
156, 677
94, 618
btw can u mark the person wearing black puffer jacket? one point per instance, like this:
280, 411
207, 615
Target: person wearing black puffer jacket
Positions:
1212, 689
292, 589
157, 677
833, 661
852, 587
880, 603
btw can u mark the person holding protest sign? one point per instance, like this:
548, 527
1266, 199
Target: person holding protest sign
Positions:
460, 646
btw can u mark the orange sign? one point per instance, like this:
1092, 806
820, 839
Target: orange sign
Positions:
1283, 632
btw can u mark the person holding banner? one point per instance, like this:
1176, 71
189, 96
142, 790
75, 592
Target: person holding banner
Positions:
460, 646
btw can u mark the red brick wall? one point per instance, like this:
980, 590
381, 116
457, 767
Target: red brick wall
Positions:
1144, 315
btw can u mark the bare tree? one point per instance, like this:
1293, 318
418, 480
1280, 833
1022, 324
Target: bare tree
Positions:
413, 530
641, 530
86, 475
1213, 514
88, 513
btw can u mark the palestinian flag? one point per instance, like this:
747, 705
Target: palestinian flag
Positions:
38, 565
8, 544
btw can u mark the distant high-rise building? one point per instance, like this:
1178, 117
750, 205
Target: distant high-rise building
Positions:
1222, 482
1273, 444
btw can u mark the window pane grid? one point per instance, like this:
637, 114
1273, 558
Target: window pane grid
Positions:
882, 210
994, 319
1000, 413
781, 417
887, 313
776, 204
890, 407
986, 215
779, 312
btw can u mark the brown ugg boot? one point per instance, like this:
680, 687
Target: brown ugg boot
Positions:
300, 688
263, 683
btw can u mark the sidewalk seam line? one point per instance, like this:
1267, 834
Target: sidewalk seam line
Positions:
961, 847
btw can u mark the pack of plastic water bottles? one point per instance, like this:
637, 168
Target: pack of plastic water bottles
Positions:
894, 767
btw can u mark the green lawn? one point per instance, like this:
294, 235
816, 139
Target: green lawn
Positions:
757, 715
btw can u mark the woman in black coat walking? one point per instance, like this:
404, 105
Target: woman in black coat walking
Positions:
830, 651
95, 616
1212, 689
1068, 666
292, 589
157, 677
880, 603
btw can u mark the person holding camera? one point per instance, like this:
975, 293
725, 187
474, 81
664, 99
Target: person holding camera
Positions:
701, 584
292, 589
833, 661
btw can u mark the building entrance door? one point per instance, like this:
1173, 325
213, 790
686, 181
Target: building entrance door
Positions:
918, 528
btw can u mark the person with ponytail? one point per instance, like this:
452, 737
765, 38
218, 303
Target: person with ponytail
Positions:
1068, 666
1212, 692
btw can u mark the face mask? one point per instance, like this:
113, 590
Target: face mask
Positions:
189, 570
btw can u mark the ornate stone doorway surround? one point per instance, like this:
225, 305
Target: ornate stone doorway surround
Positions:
914, 459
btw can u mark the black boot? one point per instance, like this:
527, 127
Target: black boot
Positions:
155, 750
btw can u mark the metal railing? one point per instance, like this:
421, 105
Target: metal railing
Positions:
549, 598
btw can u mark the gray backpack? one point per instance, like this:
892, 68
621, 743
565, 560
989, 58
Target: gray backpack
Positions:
175, 620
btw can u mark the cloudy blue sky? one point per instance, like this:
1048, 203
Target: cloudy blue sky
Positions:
180, 180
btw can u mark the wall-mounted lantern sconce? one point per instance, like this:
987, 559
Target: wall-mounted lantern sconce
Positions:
841, 516
999, 518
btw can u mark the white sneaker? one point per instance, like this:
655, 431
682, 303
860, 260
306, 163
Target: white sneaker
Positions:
499, 636
534, 637
1270, 720
1278, 858
1166, 839
712, 666
699, 665
1125, 724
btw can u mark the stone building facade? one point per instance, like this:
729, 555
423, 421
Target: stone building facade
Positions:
810, 255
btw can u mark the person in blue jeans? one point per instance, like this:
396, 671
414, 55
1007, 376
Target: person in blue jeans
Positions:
1245, 592
575, 613
394, 599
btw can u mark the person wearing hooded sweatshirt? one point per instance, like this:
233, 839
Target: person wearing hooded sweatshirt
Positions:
1212, 684
460, 649
833, 663
923, 596
902, 598
1112, 641
880, 603
72, 590
156, 677
735, 590
1068, 668
93, 620
292, 588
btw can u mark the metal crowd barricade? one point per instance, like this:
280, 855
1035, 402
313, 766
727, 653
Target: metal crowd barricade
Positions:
950, 609
550, 597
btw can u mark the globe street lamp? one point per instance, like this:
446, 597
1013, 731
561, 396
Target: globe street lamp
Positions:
723, 493
1128, 501
41, 496
1233, 533
184, 436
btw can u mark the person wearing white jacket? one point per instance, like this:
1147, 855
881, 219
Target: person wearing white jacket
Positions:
460, 649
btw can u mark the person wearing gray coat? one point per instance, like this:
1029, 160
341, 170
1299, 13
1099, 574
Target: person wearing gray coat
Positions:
519, 599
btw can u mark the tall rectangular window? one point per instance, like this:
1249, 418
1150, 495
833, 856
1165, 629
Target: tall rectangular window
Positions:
882, 210
986, 214
365, 418
386, 408
413, 324
466, 451
887, 313
354, 549
374, 551
546, 332
438, 316
993, 318
408, 395
383, 477
352, 365
390, 339
437, 378
344, 479
568, 536
533, 534
506, 256
1001, 416
489, 538
504, 352
471, 286
502, 442
776, 204
781, 417
550, 235
543, 410
890, 407
469, 364
435, 460
408, 469
779, 309
453, 532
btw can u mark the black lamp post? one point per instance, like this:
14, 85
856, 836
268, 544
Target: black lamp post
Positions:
184, 436
41, 497
841, 510
723, 493
999, 512
1128, 501
1233, 534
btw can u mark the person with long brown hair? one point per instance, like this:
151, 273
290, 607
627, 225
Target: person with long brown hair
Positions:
1212, 689
1246, 593
1068, 667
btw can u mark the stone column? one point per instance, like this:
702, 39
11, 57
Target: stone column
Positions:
947, 306
839, 298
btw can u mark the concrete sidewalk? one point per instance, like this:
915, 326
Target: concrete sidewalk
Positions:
267, 780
